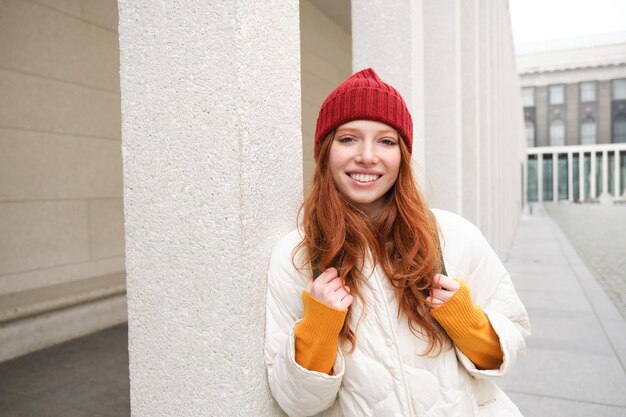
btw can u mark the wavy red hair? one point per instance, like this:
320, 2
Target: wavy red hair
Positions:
402, 239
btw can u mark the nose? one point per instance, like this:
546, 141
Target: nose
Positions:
367, 154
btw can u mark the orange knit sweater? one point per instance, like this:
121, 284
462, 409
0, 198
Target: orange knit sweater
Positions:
317, 335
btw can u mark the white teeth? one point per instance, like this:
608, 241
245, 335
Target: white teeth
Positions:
364, 177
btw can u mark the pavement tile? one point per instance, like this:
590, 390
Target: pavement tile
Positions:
21, 406
572, 300
89, 374
572, 376
602, 305
568, 331
538, 280
536, 406
616, 330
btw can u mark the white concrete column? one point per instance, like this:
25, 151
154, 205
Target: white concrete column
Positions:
570, 177
605, 172
555, 177
485, 104
540, 177
581, 176
616, 176
442, 97
471, 135
396, 54
212, 178
592, 176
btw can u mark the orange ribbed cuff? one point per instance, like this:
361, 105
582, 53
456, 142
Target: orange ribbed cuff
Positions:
317, 334
469, 327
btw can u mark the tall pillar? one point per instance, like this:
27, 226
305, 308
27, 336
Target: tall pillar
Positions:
485, 104
471, 81
211, 143
394, 54
442, 94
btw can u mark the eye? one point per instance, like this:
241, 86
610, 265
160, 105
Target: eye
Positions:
346, 139
388, 142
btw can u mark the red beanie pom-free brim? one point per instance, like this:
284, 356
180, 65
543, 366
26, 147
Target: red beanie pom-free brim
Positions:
364, 96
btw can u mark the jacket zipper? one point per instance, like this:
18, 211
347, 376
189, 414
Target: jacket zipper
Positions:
395, 344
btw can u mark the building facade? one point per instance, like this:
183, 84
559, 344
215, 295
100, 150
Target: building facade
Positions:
574, 101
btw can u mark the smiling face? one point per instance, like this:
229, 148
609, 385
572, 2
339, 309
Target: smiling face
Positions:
364, 161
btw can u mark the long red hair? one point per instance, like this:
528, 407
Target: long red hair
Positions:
402, 239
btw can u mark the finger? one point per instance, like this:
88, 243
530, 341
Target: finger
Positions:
334, 285
436, 281
328, 275
338, 294
433, 302
345, 302
448, 283
442, 295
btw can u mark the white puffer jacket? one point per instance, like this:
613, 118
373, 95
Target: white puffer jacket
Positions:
386, 375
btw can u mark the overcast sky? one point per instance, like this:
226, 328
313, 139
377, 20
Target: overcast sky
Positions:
538, 20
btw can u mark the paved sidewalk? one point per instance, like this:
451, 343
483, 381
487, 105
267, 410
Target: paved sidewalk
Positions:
577, 351
85, 377
574, 366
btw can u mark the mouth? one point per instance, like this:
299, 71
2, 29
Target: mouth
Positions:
364, 178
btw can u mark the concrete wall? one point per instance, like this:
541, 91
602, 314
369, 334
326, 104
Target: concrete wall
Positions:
61, 223
326, 54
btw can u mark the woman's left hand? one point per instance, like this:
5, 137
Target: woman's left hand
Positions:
442, 290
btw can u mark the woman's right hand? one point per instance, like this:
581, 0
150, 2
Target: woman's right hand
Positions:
330, 289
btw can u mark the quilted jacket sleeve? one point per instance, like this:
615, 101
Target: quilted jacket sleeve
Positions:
493, 290
298, 391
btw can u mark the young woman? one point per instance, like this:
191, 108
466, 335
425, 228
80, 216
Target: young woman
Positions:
376, 305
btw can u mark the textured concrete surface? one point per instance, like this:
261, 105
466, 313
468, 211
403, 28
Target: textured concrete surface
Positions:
575, 359
212, 156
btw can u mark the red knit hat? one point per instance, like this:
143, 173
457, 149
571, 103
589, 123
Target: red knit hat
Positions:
364, 96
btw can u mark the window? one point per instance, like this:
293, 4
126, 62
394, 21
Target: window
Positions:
588, 92
619, 89
530, 134
557, 94
619, 129
557, 133
588, 131
547, 177
528, 96
532, 188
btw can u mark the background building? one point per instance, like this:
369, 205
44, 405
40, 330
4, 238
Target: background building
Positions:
574, 96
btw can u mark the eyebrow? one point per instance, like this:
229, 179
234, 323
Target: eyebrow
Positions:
342, 130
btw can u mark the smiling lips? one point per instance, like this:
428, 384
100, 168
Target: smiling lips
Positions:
364, 177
